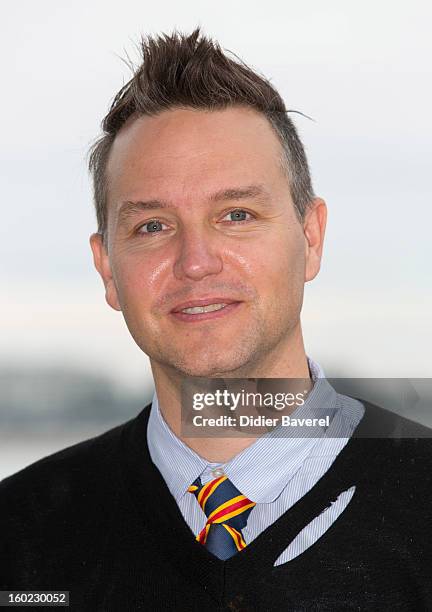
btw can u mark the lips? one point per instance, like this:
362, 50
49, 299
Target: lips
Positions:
205, 309
201, 302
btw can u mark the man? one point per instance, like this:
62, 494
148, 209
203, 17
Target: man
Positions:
208, 228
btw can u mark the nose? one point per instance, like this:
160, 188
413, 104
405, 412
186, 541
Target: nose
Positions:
199, 255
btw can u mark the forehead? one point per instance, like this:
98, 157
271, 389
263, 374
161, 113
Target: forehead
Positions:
183, 152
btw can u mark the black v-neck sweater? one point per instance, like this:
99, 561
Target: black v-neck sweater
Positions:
98, 520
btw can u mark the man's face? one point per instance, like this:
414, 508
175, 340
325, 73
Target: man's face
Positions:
200, 213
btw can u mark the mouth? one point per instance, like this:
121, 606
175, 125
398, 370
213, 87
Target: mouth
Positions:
204, 309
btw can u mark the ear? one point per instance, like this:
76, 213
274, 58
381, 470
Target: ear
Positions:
314, 229
102, 265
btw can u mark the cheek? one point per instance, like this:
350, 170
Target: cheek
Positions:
242, 258
138, 280
156, 271
273, 263
143, 282
136, 268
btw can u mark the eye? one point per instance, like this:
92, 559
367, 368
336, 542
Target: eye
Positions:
238, 215
151, 227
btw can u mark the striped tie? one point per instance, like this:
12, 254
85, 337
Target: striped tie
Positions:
227, 511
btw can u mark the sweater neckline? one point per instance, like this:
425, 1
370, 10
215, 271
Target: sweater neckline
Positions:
157, 508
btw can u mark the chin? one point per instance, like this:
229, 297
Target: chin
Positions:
215, 361
205, 371
218, 367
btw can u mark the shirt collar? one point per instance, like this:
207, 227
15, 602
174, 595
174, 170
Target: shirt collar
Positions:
261, 470
178, 464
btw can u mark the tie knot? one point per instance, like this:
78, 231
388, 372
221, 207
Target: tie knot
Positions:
222, 502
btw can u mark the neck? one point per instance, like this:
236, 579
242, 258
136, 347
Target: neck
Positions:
291, 362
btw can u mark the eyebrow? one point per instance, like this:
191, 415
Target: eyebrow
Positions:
129, 208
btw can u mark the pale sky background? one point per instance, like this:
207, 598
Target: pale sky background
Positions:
362, 70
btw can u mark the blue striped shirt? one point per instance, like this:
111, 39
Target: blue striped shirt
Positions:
275, 472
